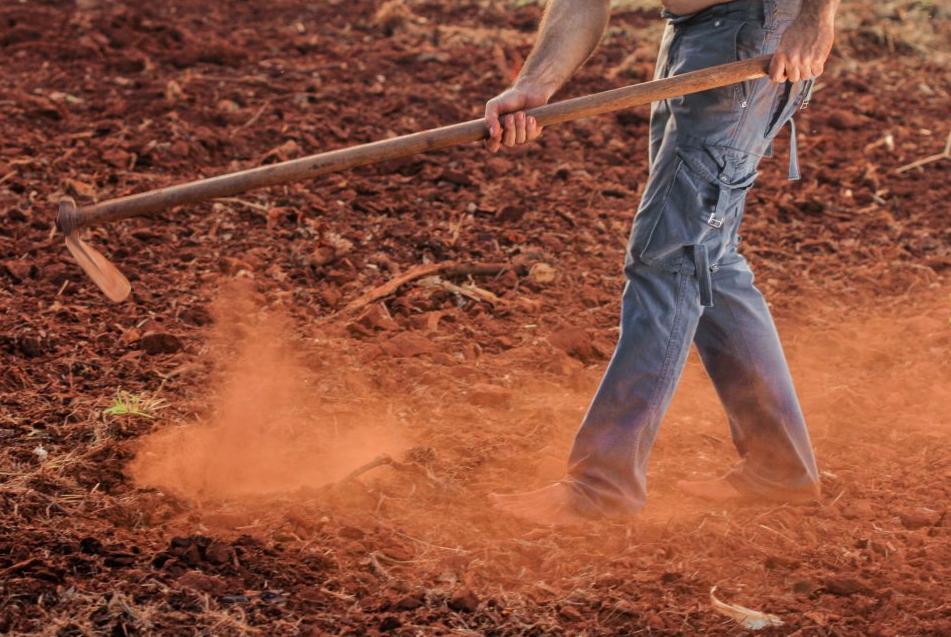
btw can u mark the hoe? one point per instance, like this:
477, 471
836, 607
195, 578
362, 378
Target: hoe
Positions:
115, 285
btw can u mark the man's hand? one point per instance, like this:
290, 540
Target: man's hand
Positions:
806, 44
505, 117
569, 31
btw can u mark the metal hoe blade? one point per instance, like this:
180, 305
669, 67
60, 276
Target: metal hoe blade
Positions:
112, 282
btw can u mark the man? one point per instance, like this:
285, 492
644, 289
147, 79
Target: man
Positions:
686, 282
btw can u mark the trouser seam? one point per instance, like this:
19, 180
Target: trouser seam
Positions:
665, 368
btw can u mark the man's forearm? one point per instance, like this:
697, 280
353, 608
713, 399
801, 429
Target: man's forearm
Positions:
569, 32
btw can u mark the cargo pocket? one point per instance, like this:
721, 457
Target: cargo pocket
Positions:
703, 205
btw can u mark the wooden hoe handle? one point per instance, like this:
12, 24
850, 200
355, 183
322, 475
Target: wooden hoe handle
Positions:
116, 286
71, 218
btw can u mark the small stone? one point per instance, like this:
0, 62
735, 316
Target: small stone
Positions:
858, 510
90, 545
117, 157
844, 120
487, 395
390, 622
541, 273
377, 317
79, 189
576, 342
844, 586
778, 561
312, 595
30, 346
408, 344
455, 177
568, 613
351, 533
285, 151
155, 343
17, 270
219, 553
227, 106
410, 602
173, 91
322, 255
464, 600
511, 213
913, 520
203, 583
805, 587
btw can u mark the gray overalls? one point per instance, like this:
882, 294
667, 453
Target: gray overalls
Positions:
687, 283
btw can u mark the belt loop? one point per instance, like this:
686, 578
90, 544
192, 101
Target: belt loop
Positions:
793, 151
701, 263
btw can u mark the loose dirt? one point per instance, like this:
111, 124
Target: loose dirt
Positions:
211, 513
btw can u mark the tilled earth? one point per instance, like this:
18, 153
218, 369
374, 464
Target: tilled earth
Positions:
224, 506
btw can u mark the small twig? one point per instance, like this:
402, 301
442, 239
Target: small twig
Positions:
342, 596
43, 245
945, 154
377, 568
771, 530
253, 119
420, 271
379, 461
425, 543
469, 291
567, 216
16, 567
391, 286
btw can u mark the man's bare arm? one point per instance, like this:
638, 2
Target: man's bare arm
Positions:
569, 32
807, 42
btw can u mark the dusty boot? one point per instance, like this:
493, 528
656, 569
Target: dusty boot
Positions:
549, 506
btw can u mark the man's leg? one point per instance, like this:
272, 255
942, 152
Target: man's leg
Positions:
659, 313
608, 463
740, 349
704, 151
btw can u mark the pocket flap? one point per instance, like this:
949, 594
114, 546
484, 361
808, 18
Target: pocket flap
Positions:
726, 167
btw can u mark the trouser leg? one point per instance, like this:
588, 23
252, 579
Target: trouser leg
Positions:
608, 463
740, 349
704, 151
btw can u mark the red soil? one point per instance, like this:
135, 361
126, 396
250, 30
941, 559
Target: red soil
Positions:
216, 516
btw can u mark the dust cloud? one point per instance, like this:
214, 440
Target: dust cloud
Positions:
268, 427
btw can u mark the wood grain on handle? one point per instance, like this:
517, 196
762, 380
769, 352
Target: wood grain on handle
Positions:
475, 130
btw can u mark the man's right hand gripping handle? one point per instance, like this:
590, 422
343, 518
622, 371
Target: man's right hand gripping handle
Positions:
505, 116
569, 32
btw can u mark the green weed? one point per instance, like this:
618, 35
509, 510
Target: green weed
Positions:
128, 404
